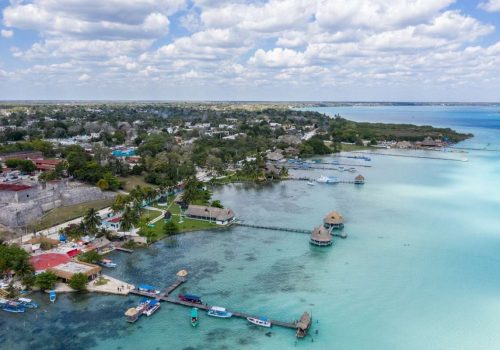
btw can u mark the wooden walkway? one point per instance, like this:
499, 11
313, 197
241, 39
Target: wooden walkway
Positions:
124, 249
164, 297
416, 156
335, 233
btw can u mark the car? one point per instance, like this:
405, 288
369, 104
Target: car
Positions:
3, 285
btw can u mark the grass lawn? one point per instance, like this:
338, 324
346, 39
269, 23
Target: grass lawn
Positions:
59, 215
158, 231
349, 148
132, 181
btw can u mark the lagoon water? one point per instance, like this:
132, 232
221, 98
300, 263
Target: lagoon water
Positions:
419, 270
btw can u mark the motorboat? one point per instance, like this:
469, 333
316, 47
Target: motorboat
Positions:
194, 316
327, 180
52, 296
262, 321
190, 298
107, 263
216, 311
148, 289
13, 306
151, 307
26, 302
311, 183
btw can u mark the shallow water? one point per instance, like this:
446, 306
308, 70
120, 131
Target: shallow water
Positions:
419, 270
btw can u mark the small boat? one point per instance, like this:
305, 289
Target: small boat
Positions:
148, 289
26, 302
194, 316
327, 180
190, 298
52, 296
262, 321
216, 311
107, 263
151, 307
14, 307
134, 313
310, 183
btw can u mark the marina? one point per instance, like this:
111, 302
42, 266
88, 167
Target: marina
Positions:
215, 311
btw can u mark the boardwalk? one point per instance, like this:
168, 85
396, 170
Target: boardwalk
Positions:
340, 234
165, 296
415, 156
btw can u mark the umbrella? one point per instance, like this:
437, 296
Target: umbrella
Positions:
182, 273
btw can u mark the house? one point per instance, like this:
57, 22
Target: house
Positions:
46, 164
276, 156
219, 216
359, 180
321, 237
66, 270
112, 223
21, 155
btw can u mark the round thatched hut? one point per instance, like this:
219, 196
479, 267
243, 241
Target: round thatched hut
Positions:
359, 180
333, 220
321, 237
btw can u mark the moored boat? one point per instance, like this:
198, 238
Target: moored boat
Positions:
107, 263
262, 321
148, 289
216, 311
194, 316
311, 183
326, 179
13, 306
26, 302
190, 298
52, 296
134, 313
151, 307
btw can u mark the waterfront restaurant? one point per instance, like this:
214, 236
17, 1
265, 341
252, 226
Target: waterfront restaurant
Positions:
321, 237
359, 180
333, 220
219, 216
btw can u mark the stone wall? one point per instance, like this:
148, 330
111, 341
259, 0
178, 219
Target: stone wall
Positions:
45, 198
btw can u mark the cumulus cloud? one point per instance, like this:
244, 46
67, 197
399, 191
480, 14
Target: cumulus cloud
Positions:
84, 77
255, 42
490, 5
6, 33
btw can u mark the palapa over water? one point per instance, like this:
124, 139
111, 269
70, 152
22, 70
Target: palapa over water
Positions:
303, 325
320, 236
333, 220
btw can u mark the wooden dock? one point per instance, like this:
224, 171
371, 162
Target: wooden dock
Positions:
334, 233
124, 249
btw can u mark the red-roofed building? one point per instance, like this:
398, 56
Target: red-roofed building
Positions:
46, 164
73, 252
12, 193
44, 261
112, 223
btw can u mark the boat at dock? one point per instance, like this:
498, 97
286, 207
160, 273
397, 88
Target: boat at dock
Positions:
148, 289
151, 307
216, 311
52, 296
262, 321
13, 307
107, 263
26, 302
190, 298
327, 180
311, 183
194, 316
134, 313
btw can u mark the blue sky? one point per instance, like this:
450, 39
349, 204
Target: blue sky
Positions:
356, 50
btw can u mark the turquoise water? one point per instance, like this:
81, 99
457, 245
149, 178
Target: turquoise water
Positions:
419, 270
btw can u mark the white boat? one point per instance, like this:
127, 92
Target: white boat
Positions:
263, 322
151, 307
310, 183
217, 311
107, 263
327, 180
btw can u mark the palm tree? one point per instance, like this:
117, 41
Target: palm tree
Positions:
128, 219
137, 194
92, 220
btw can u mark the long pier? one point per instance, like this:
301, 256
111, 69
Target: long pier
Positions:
334, 233
165, 296
414, 156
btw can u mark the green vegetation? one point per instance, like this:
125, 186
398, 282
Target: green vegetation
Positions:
78, 282
46, 280
16, 259
23, 165
92, 220
90, 257
63, 214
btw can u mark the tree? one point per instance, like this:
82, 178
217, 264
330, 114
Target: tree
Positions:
28, 281
217, 204
90, 257
78, 281
23, 165
128, 219
46, 280
14, 258
171, 228
92, 220
103, 185
119, 203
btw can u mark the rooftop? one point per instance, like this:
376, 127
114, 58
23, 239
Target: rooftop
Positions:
333, 218
215, 213
70, 268
14, 188
44, 261
321, 234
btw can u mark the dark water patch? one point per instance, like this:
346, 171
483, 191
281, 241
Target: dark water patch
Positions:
217, 334
251, 258
229, 255
283, 275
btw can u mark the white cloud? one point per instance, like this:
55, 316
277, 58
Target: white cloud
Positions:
84, 77
7, 33
278, 57
490, 5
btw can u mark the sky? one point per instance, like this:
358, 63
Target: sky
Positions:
308, 50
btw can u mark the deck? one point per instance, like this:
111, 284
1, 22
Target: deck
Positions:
164, 296
334, 233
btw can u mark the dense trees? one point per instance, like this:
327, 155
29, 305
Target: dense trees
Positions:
92, 220
78, 281
90, 257
23, 165
13, 258
46, 280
